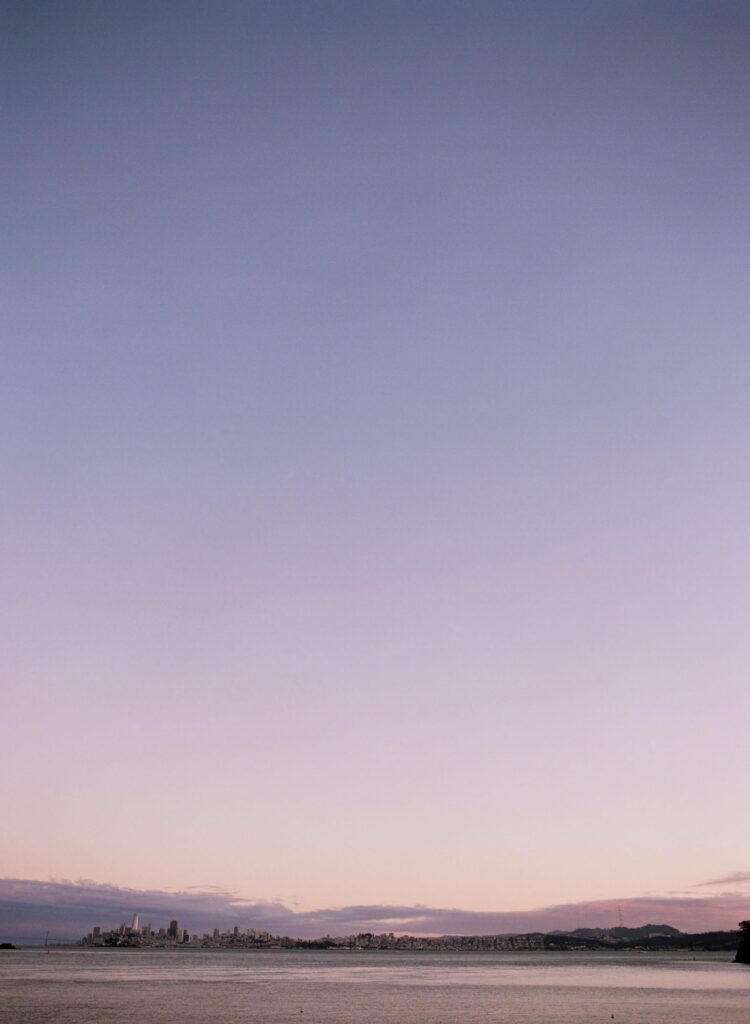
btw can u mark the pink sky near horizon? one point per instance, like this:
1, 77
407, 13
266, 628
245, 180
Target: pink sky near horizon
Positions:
374, 443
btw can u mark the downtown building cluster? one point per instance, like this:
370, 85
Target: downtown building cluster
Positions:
136, 934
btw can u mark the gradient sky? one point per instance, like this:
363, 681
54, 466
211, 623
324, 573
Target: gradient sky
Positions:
375, 444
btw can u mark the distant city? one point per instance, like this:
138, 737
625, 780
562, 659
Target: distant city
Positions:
645, 938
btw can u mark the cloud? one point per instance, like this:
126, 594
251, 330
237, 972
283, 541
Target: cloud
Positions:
69, 909
737, 878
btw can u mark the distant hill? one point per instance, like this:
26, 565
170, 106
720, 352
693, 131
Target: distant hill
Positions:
649, 937
646, 931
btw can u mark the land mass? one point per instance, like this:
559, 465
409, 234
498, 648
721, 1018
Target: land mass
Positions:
646, 938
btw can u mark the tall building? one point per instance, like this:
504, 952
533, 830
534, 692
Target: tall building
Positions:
174, 930
135, 926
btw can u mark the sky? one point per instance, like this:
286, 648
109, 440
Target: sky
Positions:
374, 439
31, 909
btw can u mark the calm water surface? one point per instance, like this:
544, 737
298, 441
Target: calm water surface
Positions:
105, 986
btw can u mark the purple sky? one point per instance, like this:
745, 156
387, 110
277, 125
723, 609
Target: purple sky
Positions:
375, 442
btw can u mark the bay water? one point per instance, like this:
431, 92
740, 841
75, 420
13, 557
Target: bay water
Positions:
149, 986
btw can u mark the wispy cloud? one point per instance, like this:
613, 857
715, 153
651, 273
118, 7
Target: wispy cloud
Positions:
71, 908
736, 878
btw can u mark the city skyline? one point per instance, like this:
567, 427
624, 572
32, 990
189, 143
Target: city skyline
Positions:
658, 936
375, 439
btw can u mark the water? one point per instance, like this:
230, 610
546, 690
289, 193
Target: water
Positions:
111, 986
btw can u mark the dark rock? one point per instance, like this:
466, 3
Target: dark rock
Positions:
743, 953
743, 950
